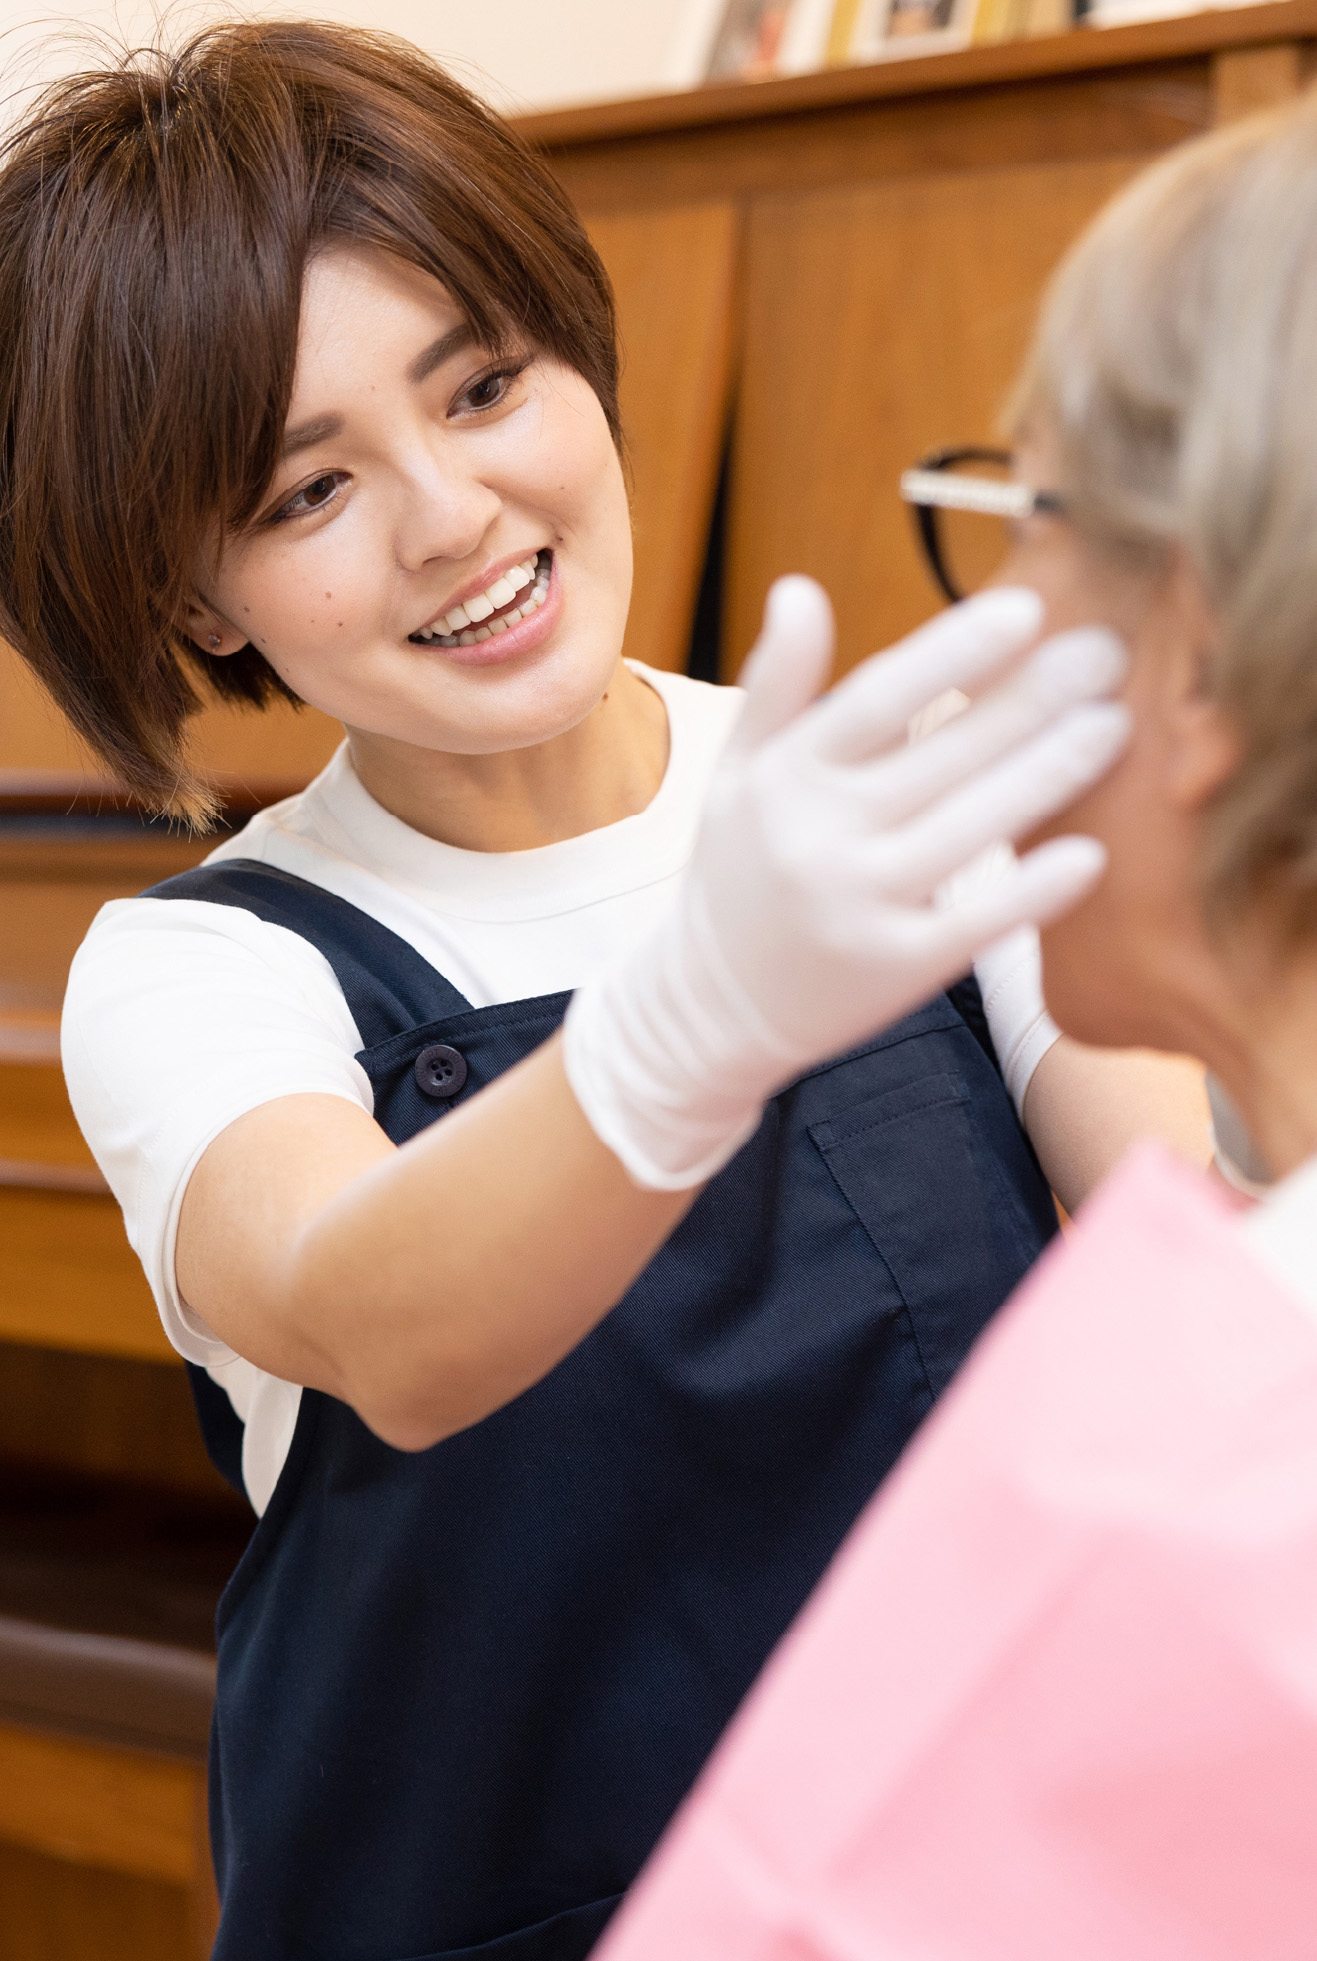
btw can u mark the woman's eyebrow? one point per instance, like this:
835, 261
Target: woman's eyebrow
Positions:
453, 342
323, 428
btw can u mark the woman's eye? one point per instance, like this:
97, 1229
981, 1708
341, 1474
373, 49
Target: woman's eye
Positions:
312, 496
490, 389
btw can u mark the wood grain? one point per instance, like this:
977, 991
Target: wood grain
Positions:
1052, 119
95, 1805
225, 741
1245, 80
674, 275
53, 1911
103, 1416
69, 1278
931, 287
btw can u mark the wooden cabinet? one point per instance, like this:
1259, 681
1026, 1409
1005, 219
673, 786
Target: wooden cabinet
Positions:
897, 225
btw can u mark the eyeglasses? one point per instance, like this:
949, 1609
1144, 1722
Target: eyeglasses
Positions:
963, 519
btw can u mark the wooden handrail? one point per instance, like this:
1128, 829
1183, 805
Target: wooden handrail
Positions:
27, 1174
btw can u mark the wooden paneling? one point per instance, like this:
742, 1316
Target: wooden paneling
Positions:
53, 1911
69, 1278
1069, 117
103, 1417
36, 1123
1247, 79
881, 320
99, 1806
674, 275
232, 744
53, 882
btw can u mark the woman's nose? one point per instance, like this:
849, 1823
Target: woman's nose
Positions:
445, 514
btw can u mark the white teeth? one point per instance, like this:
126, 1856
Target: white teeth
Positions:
483, 633
455, 628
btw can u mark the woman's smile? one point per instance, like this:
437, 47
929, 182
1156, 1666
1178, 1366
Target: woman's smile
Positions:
436, 498
511, 614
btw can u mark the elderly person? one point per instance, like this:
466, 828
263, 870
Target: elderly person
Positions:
1058, 1694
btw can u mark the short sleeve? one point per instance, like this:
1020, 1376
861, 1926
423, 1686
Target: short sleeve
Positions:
179, 1017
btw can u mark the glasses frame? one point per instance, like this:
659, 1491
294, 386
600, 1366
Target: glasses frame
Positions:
928, 489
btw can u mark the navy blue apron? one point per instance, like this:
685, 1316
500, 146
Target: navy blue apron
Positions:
462, 1691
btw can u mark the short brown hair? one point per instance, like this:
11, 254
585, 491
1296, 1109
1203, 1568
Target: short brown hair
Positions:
156, 218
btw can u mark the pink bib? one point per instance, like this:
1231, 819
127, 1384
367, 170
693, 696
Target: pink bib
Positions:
1056, 1698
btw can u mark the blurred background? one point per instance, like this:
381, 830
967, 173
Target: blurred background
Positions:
827, 223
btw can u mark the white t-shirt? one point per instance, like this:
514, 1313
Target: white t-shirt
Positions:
181, 1015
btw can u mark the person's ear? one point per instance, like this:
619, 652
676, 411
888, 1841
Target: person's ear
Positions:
1202, 746
210, 632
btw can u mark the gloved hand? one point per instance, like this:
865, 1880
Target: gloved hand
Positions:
807, 919
1010, 978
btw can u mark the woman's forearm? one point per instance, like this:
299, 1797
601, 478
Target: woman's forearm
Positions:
424, 1286
1084, 1108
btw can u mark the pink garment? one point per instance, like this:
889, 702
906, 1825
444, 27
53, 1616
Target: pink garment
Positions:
1056, 1699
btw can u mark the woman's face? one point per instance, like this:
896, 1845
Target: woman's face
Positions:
422, 475
1131, 965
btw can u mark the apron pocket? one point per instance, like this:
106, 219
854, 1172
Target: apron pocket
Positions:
563, 1937
908, 1161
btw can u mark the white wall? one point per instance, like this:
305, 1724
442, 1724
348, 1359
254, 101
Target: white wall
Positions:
518, 53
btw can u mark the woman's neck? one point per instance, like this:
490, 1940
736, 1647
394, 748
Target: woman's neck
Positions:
1270, 1066
606, 768
1249, 1011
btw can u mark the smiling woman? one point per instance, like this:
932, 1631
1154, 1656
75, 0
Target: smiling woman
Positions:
308, 385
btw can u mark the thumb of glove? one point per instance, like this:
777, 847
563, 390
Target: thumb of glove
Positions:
788, 664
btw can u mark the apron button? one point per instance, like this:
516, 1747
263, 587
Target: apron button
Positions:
440, 1071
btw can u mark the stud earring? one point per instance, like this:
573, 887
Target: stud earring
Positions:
214, 643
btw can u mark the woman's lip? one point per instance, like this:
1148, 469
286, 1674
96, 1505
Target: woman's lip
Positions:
490, 576
523, 638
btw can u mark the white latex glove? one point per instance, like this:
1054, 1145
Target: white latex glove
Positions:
1010, 978
807, 918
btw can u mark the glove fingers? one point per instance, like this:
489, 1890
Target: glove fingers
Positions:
1071, 668
1039, 887
1017, 793
932, 947
871, 709
789, 662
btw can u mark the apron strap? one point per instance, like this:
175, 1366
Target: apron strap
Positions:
387, 984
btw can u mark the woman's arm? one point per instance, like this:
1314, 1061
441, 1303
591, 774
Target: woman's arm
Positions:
428, 1285
1084, 1108
425, 1285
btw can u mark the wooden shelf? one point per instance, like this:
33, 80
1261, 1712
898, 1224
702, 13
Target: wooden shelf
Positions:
1084, 49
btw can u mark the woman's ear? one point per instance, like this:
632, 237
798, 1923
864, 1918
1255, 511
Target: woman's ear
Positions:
1202, 746
211, 633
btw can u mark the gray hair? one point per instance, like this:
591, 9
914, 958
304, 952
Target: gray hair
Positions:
1175, 366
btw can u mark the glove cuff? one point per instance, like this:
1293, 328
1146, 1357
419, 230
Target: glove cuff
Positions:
1010, 979
668, 1057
